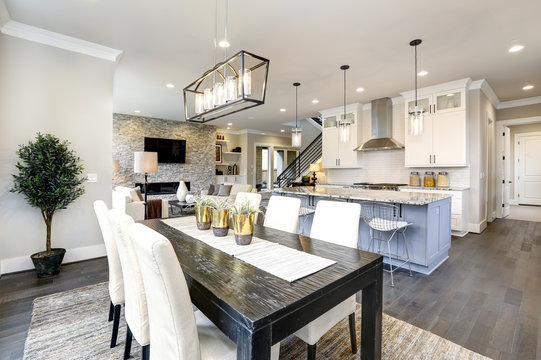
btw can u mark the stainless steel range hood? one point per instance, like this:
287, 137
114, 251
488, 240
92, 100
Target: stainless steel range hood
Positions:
382, 127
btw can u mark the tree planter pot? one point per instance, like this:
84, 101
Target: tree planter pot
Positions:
203, 217
48, 264
220, 222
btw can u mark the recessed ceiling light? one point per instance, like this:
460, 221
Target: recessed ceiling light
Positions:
359, 89
282, 110
451, 94
315, 101
228, 128
422, 73
170, 86
282, 130
515, 48
229, 124
224, 44
137, 111
528, 87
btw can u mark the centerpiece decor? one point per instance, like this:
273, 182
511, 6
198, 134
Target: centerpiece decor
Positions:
49, 178
203, 212
220, 216
243, 222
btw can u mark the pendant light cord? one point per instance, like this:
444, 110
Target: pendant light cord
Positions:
345, 95
225, 28
296, 105
415, 77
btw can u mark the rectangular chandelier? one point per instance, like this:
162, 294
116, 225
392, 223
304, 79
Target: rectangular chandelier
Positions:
236, 84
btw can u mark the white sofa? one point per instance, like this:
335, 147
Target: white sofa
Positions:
129, 201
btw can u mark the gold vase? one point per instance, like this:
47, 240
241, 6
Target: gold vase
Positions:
243, 226
203, 217
220, 222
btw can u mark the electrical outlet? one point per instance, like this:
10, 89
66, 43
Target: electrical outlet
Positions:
92, 177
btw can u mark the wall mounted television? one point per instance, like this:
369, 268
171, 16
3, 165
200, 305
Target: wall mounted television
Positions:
169, 150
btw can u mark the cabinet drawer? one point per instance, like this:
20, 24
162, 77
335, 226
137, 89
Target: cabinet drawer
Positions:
456, 222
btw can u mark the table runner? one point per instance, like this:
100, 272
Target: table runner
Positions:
281, 261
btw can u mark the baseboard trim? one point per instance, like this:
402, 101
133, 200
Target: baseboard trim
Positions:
477, 228
22, 263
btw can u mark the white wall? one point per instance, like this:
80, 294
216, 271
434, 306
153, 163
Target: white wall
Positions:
48, 90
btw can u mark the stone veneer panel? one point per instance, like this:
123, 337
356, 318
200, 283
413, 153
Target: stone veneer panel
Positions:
128, 137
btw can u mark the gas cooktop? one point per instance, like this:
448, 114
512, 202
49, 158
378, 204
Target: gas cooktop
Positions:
380, 186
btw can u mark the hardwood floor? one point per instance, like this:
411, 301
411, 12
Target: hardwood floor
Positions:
486, 296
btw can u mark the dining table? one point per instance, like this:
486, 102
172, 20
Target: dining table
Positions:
256, 309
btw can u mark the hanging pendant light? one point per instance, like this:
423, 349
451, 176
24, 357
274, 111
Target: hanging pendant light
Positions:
344, 124
236, 84
296, 133
416, 115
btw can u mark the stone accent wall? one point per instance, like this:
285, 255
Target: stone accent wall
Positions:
128, 137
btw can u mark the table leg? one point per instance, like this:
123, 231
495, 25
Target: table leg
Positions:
372, 304
252, 346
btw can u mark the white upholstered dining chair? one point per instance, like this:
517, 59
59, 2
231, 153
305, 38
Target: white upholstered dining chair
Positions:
116, 282
253, 198
283, 213
338, 223
176, 331
135, 309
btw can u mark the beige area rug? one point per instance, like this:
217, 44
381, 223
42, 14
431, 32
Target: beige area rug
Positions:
73, 325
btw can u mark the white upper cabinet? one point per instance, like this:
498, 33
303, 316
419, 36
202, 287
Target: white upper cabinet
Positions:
444, 139
337, 154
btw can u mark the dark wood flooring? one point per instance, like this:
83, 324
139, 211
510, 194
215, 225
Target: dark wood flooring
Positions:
486, 296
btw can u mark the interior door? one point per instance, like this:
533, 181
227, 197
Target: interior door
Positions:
506, 188
529, 169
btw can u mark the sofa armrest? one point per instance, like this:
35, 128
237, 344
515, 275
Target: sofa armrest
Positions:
136, 210
165, 208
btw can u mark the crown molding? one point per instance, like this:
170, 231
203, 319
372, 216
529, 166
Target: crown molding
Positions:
486, 89
520, 102
50, 38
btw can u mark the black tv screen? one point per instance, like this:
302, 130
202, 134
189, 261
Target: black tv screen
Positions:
169, 150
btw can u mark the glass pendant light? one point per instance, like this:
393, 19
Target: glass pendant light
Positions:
199, 103
245, 83
416, 114
208, 99
344, 123
296, 133
230, 88
218, 93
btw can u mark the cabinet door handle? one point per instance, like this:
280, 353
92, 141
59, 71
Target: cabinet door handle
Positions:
430, 109
430, 158
434, 158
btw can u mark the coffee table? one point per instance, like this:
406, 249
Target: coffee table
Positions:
181, 205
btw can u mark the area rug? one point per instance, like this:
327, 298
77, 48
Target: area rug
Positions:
73, 325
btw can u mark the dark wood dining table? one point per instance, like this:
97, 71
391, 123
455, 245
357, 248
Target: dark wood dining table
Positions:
256, 309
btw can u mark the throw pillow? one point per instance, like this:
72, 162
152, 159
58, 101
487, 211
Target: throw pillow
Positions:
138, 193
211, 190
224, 190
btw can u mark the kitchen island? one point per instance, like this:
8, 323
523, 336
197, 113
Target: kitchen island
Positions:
428, 236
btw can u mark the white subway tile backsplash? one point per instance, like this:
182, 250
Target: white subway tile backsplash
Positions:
388, 167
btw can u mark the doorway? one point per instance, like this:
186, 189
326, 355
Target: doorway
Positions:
282, 159
528, 168
262, 166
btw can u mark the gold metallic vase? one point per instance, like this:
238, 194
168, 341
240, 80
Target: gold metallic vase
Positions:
243, 225
203, 217
220, 222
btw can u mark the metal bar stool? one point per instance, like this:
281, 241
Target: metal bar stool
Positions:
383, 218
304, 212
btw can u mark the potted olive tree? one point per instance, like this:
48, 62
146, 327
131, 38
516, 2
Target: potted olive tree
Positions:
49, 178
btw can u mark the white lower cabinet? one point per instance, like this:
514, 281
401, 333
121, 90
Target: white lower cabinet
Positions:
459, 207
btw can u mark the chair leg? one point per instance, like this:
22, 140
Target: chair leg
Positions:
116, 321
146, 352
390, 261
352, 333
311, 352
111, 311
127, 349
406, 247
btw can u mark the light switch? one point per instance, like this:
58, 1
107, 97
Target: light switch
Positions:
92, 177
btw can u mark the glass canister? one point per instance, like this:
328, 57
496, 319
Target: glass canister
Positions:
415, 179
443, 179
429, 180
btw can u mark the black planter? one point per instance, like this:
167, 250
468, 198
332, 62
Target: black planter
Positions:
48, 264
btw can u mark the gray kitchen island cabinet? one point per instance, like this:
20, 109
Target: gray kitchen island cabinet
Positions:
428, 236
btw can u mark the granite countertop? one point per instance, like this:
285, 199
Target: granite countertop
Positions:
450, 188
397, 197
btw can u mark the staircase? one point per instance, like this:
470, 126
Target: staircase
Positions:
301, 164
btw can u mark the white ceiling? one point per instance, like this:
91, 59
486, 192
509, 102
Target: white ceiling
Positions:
306, 41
